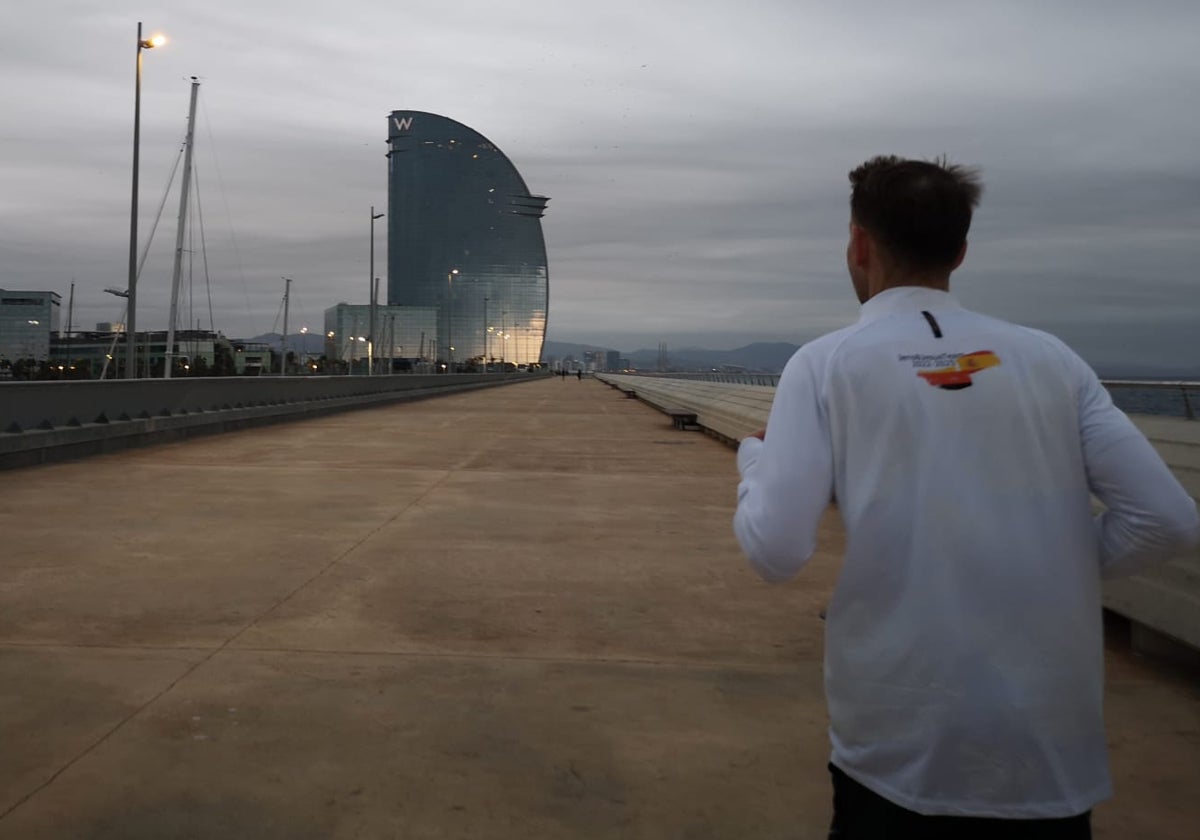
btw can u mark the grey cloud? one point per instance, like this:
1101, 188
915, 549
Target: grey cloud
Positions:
695, 152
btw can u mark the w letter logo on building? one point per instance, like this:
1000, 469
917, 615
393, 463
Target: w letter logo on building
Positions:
402, 123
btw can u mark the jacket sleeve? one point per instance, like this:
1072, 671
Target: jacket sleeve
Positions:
786, 479
1149, 517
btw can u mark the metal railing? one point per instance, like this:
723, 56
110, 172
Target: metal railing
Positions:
42, 406
1141, 397
1171, 398
50, 421
767, 379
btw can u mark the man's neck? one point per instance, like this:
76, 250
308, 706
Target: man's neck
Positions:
881, 284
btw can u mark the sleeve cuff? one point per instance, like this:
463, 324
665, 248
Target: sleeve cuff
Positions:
748, 452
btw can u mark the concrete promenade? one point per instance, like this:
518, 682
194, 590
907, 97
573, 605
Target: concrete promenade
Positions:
516, 613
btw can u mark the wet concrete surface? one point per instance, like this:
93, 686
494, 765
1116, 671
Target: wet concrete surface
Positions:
514, 613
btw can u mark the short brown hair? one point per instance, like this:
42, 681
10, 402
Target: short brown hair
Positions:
920, 211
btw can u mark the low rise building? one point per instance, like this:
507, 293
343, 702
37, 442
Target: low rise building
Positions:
407, 336
27, 322
100, 354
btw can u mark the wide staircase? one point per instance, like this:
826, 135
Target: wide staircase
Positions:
1163, 603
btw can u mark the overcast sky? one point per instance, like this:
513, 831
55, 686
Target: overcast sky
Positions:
695, 154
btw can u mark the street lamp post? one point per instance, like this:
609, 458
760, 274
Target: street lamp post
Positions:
355, 328
373, 282
287, 291
450, 317
130, 321
391, 368
503, 346
486, 329
112, 348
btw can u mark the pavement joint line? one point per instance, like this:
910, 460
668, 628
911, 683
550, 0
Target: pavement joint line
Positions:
97, 646
214, 651
696, 665
339, 558
322, 467
699, 665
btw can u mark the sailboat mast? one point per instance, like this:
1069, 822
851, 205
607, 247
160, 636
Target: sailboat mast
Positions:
287, 293
70, 315
169, 357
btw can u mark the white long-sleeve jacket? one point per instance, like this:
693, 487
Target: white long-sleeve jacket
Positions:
963, 654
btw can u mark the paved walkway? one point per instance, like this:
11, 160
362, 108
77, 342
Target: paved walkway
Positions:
518, 613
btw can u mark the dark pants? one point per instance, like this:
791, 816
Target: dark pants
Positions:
862, 814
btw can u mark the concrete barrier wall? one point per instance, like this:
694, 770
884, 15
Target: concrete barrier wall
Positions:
45, 421
1164, 600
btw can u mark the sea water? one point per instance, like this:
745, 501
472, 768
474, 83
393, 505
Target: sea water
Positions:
1166, 402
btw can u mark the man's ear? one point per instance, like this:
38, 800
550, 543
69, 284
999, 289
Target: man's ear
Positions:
860, 246
962, 255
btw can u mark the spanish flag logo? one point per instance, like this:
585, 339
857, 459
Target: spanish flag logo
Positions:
958, 376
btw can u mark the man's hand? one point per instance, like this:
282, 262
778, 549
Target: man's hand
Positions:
761, 434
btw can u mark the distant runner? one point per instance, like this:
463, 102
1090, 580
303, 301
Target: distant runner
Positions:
964, 651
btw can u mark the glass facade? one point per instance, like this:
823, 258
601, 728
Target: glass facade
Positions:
405, 332
465, 238
26, 321
91, 349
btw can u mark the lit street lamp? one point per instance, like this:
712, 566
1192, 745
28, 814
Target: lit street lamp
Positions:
112, 348
373, 295
450, 316
332, 352
503, 347
131, 329
353, 339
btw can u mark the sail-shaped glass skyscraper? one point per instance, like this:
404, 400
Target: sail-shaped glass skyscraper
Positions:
465, 236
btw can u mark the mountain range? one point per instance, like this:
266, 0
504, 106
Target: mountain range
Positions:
762, 357
308, 343
759, 357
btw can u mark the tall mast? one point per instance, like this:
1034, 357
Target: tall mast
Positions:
287, 292
371, 337
169, 357
373, 292
70, 315
130, 316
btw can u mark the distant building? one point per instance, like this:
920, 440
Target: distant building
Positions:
465, 239
405, 332
254, 358
103, 352
613, 360
27, 320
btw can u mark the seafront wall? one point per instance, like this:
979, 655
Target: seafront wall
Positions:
49, 421
1162, 604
